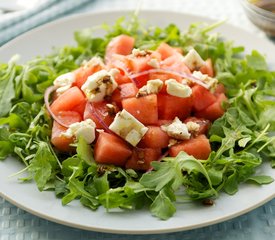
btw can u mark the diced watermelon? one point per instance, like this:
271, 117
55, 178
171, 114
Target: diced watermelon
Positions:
170, 107
155, 137
175, 63
179, 50
116, 97
202, 98
215, 110
68, 100
122, 78
142, 157
60, 142
128, 90
145, 109
165, 50
82, 73
122, 44
208, 68
141, 63
199, 147
120, 62
163, 76
219, 89
141, 80
81, 107
125, 90
164, 122
99, 113
111, 149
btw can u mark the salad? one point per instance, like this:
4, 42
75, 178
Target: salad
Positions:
142, 117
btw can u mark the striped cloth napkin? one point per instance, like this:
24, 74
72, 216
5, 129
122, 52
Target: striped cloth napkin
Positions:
46, 11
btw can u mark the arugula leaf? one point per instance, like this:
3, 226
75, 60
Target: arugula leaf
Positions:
215, 175
60, 188
191, 164
6, 147
89, 202
240, 140
43, 165
72, 166
84, 151
101, 183
162, 207
231, 183
181, 170
7, 88
256, 61
261, 179
165, 173
77, 189
14, 121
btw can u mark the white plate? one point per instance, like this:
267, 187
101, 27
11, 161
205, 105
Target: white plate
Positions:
188, 216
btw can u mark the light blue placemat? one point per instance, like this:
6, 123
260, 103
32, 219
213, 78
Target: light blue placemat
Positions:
16, 224
47, 11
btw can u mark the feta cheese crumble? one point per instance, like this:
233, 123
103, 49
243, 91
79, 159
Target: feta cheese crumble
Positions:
86, 129
93, 62
100, 84
136, 52
177, 89
192, 126
64, 82
153, 62
193, 60
152, 87
209, 81
128, 127
177, 129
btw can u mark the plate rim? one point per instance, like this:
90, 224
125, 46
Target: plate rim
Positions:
119, 231
110, 230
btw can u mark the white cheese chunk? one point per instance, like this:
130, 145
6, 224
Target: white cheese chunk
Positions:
152, 87
209, 81
136, 52
192, 126
128, 127
99, 85
193, 60
177, 89
172, 142
153, 62
177, 130
93, 62
64, 82
86, 129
